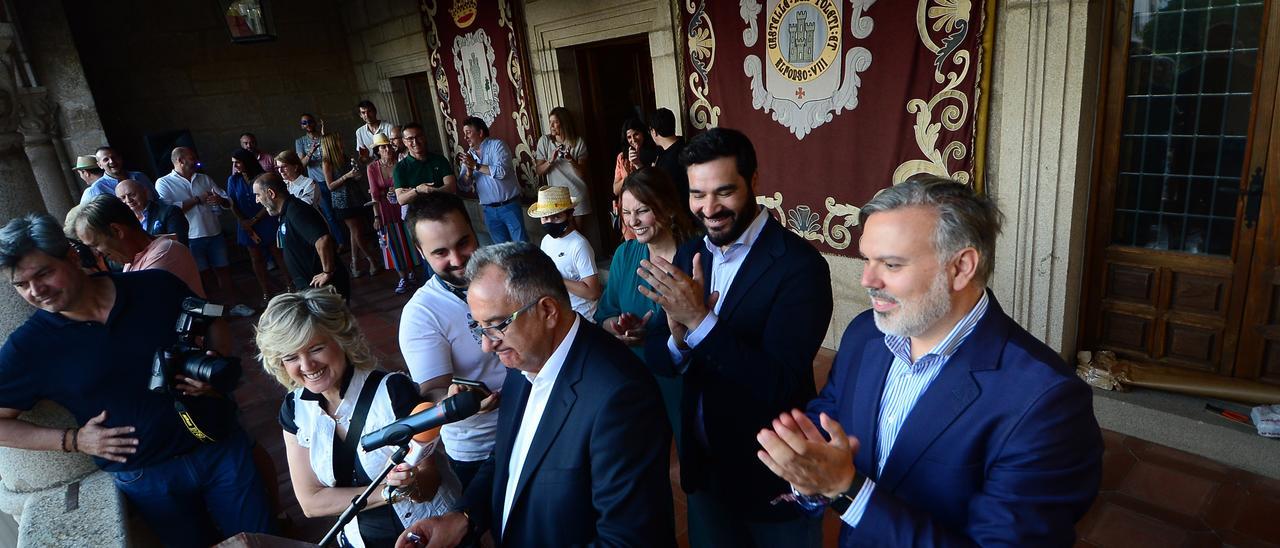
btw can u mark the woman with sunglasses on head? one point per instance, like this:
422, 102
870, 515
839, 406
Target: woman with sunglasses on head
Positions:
345, 187
309, 154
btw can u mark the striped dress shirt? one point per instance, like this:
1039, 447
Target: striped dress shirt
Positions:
903, 386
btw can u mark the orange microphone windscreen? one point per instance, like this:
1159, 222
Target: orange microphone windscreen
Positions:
426, 436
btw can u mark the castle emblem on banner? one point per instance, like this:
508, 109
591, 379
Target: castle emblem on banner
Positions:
809, 73
473, 58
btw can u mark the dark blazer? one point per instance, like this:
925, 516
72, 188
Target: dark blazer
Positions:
163, 218
1002, 448
756, 363
597, 471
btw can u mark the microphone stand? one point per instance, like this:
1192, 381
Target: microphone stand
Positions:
358, 503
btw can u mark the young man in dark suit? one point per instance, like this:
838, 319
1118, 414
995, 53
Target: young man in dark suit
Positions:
582, 449
962, 428
744, 311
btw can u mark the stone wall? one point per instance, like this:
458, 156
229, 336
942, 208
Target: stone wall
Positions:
171, 65
386, 41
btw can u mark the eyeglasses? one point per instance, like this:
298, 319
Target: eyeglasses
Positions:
496, 332
306, 122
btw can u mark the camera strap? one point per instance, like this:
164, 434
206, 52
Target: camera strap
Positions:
190, 422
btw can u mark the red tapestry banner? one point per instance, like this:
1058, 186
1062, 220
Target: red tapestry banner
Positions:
840, 97
479, 70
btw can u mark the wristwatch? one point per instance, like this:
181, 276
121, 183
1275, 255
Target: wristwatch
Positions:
391, 495
840, 503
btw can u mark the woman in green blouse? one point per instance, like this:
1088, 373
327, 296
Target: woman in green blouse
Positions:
652, 208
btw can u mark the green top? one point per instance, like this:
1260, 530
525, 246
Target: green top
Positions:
620, 294
411, 172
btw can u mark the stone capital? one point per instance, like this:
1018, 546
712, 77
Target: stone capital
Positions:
37, 115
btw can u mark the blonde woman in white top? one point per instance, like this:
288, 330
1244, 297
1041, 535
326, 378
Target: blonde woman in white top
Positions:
310, 342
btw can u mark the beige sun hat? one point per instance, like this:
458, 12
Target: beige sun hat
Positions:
380, 139
86, 162
552, 200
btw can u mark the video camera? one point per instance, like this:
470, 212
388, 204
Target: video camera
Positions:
188, 356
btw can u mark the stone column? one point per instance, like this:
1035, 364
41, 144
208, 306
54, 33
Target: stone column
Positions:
39, 126
21, 195
1043, 109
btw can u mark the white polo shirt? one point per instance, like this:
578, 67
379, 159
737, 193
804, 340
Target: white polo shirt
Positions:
436, 340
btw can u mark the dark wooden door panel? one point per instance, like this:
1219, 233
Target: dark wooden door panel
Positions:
1188, 95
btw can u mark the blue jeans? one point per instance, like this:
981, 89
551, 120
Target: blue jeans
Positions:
203, 497
505, 223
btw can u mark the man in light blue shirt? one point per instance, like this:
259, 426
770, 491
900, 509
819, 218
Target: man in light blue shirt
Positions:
486, 168
113, 169
962, 428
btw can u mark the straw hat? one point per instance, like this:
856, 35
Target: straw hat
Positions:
86, 162
552, 200
379, 140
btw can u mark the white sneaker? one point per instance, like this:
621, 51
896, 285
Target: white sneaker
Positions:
241, 311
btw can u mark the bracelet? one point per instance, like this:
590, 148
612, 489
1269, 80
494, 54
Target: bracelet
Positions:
326, 272
65, 449
75, 440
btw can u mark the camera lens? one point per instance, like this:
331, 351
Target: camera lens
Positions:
220, 372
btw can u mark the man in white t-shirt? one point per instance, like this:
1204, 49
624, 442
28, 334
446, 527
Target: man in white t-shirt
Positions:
372, 126
435, 328
568, 248
198, 198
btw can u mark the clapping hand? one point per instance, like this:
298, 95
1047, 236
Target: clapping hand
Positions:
630, 328
679, 295
796, 451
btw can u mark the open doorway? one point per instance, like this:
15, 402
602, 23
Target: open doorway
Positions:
614, 82
412, 95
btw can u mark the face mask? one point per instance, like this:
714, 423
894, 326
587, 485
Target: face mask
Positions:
556, 230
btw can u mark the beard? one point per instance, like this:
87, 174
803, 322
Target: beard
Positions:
913, 318
454, 276
726, 236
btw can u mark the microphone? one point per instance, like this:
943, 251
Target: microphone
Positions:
451, 409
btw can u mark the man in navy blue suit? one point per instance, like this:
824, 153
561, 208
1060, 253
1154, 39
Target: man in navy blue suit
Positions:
949, 424
583, 446
744, 311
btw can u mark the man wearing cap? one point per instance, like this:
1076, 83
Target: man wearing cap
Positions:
87, 168
156, 217
486, 168
568, 248
113, 169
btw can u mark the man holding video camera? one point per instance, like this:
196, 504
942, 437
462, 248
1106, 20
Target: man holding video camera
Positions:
90, 347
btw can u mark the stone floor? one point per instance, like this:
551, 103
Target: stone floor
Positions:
1151, 495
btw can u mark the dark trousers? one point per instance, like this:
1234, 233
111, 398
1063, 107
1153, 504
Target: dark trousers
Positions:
203, 497
465, 470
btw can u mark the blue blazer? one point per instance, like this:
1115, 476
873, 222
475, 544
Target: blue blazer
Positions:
756, 363
1002, 448
597, 472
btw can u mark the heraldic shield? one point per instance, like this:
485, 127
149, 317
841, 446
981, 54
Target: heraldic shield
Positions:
805, 75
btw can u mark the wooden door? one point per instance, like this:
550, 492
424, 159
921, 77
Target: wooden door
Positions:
1184, 146
1258, 355
616, 83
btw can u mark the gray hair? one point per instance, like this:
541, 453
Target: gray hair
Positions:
531, 274
31, 232
965, 218
98, 215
